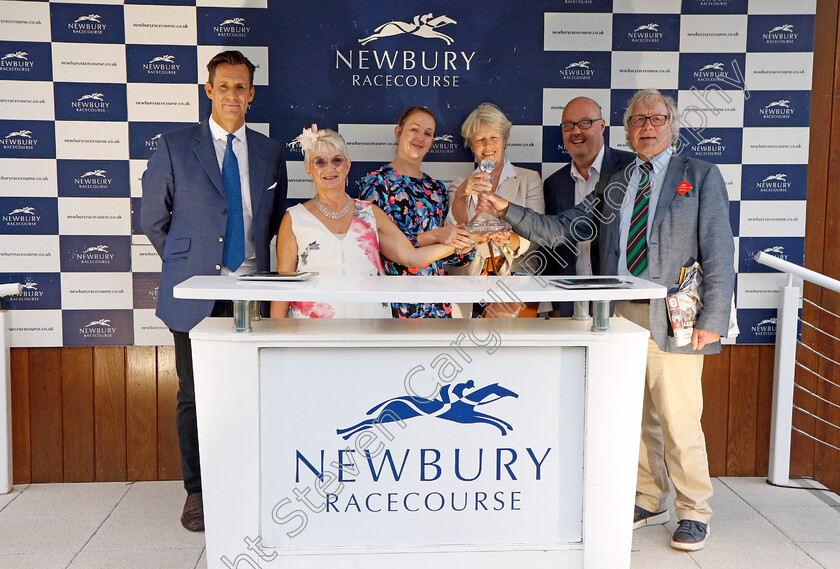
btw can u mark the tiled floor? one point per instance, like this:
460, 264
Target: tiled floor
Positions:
135, 526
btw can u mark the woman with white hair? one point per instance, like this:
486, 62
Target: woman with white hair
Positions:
334, 234
486, 132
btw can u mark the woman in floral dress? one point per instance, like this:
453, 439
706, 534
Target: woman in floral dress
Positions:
417, 204
334, 234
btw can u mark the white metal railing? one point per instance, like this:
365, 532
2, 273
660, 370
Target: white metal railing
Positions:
781, 421
6, 397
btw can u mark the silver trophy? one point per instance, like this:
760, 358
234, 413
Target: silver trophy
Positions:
483, 221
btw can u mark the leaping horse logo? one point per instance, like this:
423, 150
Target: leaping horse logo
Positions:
453, 405
424, 26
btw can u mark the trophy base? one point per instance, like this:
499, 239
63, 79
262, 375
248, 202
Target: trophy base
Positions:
487, 226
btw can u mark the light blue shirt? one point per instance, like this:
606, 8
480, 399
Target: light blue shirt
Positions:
660, 166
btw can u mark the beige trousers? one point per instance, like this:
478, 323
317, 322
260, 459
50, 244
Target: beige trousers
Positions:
672, 443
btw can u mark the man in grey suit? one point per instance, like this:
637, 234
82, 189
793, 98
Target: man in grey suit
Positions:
656, 218
213, 198
583, 137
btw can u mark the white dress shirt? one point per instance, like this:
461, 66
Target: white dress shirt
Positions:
240, 150
583, 265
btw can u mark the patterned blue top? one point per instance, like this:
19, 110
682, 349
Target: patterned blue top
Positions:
415, 205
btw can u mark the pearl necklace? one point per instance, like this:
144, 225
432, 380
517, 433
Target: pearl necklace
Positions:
332, 214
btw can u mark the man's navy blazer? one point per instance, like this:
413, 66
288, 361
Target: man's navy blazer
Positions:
559, 191
184, 212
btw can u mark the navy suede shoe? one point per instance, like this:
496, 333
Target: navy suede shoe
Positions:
690, 535
642, 517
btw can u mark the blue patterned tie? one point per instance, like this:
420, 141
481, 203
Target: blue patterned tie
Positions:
234, 249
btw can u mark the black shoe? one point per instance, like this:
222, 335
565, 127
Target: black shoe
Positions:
193, 516
642, 517
690, 535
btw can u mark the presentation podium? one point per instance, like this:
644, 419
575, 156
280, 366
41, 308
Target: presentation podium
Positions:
416, 443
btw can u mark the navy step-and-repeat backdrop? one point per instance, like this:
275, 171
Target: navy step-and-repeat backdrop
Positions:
86, 89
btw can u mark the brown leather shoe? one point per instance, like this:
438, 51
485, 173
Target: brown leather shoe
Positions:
193, 516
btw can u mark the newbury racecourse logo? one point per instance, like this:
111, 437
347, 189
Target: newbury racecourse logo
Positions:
717, 66
646, 33
709, 147
94, 255
774, 183
232, 28
406, 68
452, 405
91, 103
16, 61
89, 24
93, 180
162, 65
783, 34
424, 26
577, 70
780, 109
444, 144
19, 140
766, 327
152, 143
30, 292
21, 217
98, 329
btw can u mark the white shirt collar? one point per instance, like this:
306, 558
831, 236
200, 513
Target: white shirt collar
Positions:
219, 133
596, 165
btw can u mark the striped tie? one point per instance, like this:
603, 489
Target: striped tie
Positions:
637, 236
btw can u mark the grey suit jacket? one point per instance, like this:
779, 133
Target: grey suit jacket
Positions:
694, 224
184, 212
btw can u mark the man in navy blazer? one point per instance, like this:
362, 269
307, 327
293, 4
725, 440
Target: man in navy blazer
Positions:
657, 217
583, 137
213, 198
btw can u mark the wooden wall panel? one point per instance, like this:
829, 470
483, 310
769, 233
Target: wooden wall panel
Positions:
45, 426
21, 443
716, 408
764, 405
77, 414
109, 404
141, 413
169, 457
743, 397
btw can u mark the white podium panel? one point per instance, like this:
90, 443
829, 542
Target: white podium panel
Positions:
516, 444
421, 447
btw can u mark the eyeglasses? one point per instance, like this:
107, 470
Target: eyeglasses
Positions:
337, 162
585, 124
655, 120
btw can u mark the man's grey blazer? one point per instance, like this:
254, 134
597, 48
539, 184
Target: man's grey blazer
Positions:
184, 212
694, 224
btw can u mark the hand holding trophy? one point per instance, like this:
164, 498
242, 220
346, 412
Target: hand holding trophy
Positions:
484, 221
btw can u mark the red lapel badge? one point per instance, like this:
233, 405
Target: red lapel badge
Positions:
684, 187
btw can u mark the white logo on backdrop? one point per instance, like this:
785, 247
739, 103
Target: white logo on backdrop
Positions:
99, 173
780, 177
100, 322
16, 55
775, 249
718, 66
93, 96
20, 133
785, 28
164, 58
89, 18
444, 138
767, 321
713, 140
581, 64
155, 137
780, 103
234, 21
650, 27
28, 210
98, 248
424, 26
30, 285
